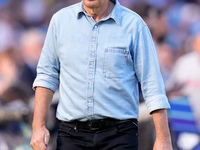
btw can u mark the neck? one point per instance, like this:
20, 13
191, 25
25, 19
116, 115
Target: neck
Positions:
101, 11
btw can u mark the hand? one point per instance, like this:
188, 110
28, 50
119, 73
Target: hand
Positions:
162, 145
40, 138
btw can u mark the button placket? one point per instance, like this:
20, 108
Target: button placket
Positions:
91, 72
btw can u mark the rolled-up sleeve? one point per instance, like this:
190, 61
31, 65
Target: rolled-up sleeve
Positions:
48, 68
148, 71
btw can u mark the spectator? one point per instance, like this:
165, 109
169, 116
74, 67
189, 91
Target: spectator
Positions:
166, 58
185, 77
14, 117
31, 46
8, 68
7, 32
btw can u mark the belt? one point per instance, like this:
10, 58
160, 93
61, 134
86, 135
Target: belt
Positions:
99, 124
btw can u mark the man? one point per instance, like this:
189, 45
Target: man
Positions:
98, 51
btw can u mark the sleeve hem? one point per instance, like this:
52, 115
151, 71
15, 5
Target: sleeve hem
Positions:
158, 102
48, 82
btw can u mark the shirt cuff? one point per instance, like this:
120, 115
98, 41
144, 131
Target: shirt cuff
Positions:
157, 102
43, 80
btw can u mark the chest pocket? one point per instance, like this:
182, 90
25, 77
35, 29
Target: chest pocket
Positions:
115, 62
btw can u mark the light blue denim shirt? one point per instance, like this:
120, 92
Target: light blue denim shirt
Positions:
97, 65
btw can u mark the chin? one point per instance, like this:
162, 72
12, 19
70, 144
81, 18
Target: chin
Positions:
90, 3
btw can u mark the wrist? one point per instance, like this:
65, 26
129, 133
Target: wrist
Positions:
38, 125
165, 139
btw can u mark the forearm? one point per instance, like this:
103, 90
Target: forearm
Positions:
43, 99
161, 125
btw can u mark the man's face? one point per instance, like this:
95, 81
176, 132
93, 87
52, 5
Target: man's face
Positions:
93, 3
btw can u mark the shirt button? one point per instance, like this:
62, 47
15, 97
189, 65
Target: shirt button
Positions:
95, 27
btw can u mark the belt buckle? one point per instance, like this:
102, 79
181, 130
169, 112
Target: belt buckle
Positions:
95, 125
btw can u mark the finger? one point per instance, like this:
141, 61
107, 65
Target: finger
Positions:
34, 145
38, 146
42, 146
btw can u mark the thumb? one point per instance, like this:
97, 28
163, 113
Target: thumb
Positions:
46, 138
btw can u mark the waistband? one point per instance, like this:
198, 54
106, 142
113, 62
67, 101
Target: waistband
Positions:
99, 124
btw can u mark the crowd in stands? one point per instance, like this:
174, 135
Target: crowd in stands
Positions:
175, 28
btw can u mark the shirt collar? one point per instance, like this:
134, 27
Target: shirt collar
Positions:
79, 10
115, 14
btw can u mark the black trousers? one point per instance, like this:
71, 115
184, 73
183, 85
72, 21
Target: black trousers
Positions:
79, 136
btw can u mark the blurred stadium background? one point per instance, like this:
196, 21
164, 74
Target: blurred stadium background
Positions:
175, 28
